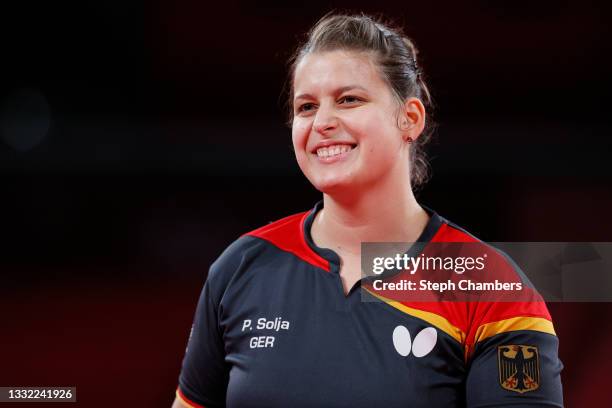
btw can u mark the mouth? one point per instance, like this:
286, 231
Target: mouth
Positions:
333, 152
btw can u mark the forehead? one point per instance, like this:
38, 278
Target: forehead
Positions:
329, 70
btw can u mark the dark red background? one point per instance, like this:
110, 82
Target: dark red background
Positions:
166, 143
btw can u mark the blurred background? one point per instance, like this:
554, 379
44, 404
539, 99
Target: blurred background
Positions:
138, 139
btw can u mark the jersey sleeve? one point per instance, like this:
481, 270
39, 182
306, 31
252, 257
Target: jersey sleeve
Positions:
204, 374
515, 360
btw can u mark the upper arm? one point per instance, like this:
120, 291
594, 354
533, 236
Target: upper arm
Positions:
204, 374
181, 401
514, 348
178, 403
517, 367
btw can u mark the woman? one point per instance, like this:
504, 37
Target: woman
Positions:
281, 321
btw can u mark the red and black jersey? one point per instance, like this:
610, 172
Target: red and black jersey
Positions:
274, 328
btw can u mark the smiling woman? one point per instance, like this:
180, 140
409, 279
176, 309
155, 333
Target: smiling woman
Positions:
348, 144
360, 116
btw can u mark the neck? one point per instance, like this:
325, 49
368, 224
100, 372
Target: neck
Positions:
382, 213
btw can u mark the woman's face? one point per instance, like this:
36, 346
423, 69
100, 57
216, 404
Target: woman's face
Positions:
345, 131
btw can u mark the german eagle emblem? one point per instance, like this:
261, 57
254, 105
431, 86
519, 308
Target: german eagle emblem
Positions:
519, 367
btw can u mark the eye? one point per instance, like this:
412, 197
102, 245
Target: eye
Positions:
350, 99
305, 107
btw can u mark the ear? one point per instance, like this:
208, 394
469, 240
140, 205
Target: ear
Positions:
412, 121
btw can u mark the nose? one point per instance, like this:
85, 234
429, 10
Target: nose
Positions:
325, 121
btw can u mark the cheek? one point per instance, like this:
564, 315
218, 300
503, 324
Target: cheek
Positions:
380, 142
299, 137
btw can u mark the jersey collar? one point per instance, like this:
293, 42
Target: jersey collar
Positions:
432, 227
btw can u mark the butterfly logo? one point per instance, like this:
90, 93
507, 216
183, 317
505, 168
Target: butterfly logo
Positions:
422, 345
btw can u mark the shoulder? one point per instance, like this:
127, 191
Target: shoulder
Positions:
473, 321
285, 234
282, 232
448, 231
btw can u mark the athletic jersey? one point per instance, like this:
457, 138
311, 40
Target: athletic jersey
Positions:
274, 328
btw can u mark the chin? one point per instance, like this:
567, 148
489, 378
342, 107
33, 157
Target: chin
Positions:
333, 186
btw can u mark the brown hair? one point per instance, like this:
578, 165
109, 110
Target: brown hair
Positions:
394, 54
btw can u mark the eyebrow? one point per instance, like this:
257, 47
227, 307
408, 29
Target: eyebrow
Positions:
337, 91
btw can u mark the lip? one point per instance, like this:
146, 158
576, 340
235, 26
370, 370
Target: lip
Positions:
336, 158
327, 143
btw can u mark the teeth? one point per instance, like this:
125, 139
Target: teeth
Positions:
334, 150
